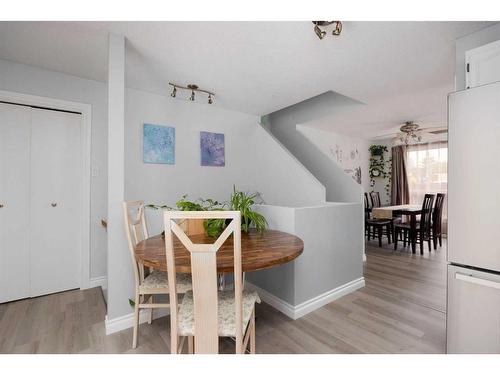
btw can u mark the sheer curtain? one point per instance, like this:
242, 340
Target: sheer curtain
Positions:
427, 170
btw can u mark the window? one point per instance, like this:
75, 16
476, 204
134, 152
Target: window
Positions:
427, 169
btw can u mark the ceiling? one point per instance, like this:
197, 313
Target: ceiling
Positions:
399, 70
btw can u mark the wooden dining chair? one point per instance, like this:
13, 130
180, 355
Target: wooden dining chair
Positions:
148, 282
205, 313
380, 226
437, 217
423, 227
368, 211
375, 198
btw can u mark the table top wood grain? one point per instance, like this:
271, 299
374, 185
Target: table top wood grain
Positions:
387, 212
259, 251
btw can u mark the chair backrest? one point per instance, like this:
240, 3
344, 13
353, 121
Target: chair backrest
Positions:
367, 207
425, 217
204, 278
136, 230
375, 197
437, 213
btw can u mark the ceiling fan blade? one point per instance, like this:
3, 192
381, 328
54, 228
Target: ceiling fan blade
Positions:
434, 130
385, 136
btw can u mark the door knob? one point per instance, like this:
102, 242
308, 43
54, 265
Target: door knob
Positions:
53, 204
1, 205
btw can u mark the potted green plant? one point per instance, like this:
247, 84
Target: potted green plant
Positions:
377, 150
239, 201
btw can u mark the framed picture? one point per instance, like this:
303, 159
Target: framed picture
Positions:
212, 149
158, 144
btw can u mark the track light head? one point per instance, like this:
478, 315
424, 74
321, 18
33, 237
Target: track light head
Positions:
192, 96
174, 92
210, 101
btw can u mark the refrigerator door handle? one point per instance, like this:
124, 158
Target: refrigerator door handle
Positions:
477, 280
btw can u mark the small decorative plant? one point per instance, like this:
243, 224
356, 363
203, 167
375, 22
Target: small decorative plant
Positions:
239, 201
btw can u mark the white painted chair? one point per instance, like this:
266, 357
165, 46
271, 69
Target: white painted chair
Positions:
205, 314
148, 283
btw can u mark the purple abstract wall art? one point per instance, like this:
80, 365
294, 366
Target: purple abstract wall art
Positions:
212, 149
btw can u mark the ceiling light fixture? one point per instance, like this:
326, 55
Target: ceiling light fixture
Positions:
409, 134
319, 25
193, 88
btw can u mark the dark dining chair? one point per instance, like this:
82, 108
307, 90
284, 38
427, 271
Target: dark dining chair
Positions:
375, 198
378, 225
423, 227
368, 211
437, 217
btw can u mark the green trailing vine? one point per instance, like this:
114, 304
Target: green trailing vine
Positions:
380, 167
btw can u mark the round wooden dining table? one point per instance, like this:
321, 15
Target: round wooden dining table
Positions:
259, 251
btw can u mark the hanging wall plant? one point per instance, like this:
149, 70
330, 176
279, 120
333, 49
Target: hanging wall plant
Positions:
380, 167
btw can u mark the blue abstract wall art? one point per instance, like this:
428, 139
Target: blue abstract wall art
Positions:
159, 144
212, 149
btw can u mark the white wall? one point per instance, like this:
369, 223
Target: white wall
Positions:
30, 80
474, 40
338, 148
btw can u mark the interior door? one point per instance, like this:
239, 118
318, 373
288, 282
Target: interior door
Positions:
483, 65
14, 202
473, 178
56, 201
473, 321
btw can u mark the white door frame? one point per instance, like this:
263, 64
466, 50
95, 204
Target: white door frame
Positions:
86, 132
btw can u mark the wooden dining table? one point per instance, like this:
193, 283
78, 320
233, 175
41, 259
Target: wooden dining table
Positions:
259, 251
411, 210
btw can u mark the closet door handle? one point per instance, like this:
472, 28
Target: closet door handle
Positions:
53, 204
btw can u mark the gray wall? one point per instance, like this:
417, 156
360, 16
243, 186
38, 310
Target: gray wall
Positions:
30, 80
474, 40
283, 125
331, 256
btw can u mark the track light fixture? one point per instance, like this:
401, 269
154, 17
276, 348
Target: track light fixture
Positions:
318, 25
193, 88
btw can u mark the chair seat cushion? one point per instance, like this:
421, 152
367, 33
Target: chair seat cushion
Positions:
226, 312
159, 280
378, 221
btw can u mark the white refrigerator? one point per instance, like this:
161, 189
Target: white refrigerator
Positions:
473, 306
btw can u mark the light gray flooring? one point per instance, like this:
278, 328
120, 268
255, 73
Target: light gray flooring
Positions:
400, 310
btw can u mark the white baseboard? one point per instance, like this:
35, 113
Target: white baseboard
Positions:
127, 321
304, 308
101, 281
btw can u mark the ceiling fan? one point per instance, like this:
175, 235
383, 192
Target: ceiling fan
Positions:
411, 133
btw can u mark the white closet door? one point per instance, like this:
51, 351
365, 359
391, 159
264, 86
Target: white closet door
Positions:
14, 202
56, 201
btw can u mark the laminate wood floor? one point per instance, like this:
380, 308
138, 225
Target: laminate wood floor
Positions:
400, 310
